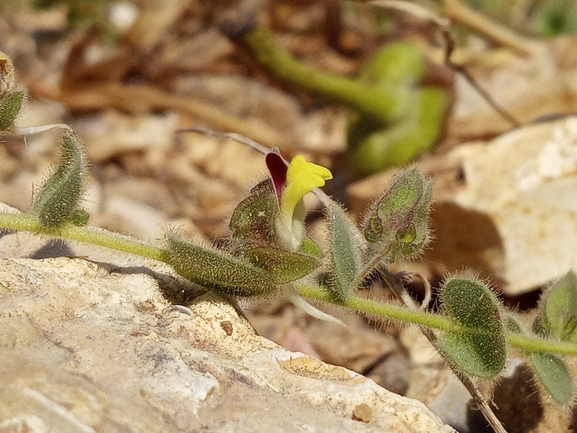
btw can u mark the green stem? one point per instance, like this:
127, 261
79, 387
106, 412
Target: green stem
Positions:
385, 311
101, 237
436, 321
384, 104
369, 267
536, 344
90, 235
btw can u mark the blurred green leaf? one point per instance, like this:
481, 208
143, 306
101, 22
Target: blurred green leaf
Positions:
559, 308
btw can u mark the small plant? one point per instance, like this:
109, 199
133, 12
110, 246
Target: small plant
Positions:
393, 117
270, 253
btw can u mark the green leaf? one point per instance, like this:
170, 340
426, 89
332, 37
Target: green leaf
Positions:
399, 220
59, 197
559, 308
479, 348
217, 270
398, 63
548, 367
9, 109
80, 218
345, 252
253, 218
310, 248
554, 376
373, 147
284, 266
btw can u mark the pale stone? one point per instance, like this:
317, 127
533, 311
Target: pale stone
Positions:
526, 183
506, 208
90, 347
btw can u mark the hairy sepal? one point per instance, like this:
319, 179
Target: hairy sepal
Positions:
253, 218
9, 109
398, 221
284, 266
11, 98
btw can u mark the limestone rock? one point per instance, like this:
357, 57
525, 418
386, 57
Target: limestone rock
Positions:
86, 346
506, 208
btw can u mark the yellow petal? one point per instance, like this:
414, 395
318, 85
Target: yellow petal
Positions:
302, 177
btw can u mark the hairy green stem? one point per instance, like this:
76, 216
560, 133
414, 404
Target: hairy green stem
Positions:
89, 235
436, 321
536, 344
369, 267
95, 236
385, 311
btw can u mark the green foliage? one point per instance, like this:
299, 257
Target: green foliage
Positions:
381, 103
257, 262
216, 270
11, 97
373, 145
479, 349
398, 221
398, 63
554, 376
255, 237
81, 13
393, 117
557, 17
559, 309
253, 218
80, 217
58, 199
284, 266
9, 109
345, 254
549, 368
557, 319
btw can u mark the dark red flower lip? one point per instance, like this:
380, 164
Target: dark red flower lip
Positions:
277, 168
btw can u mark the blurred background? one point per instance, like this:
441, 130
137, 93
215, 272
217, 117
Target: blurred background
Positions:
457, 83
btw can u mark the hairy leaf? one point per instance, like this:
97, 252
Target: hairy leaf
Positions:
345, 251
554, 376
559, 308
217, 270
479, 348
59, 197
549, 368
310, 248
284, 266
9, 109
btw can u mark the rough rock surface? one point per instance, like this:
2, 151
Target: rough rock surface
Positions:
506, 208
86, 346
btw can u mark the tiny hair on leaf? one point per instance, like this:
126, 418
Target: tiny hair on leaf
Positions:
346, 252
479, 348
217, 270
58, 199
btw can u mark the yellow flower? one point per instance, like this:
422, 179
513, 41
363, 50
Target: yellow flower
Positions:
301, 177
